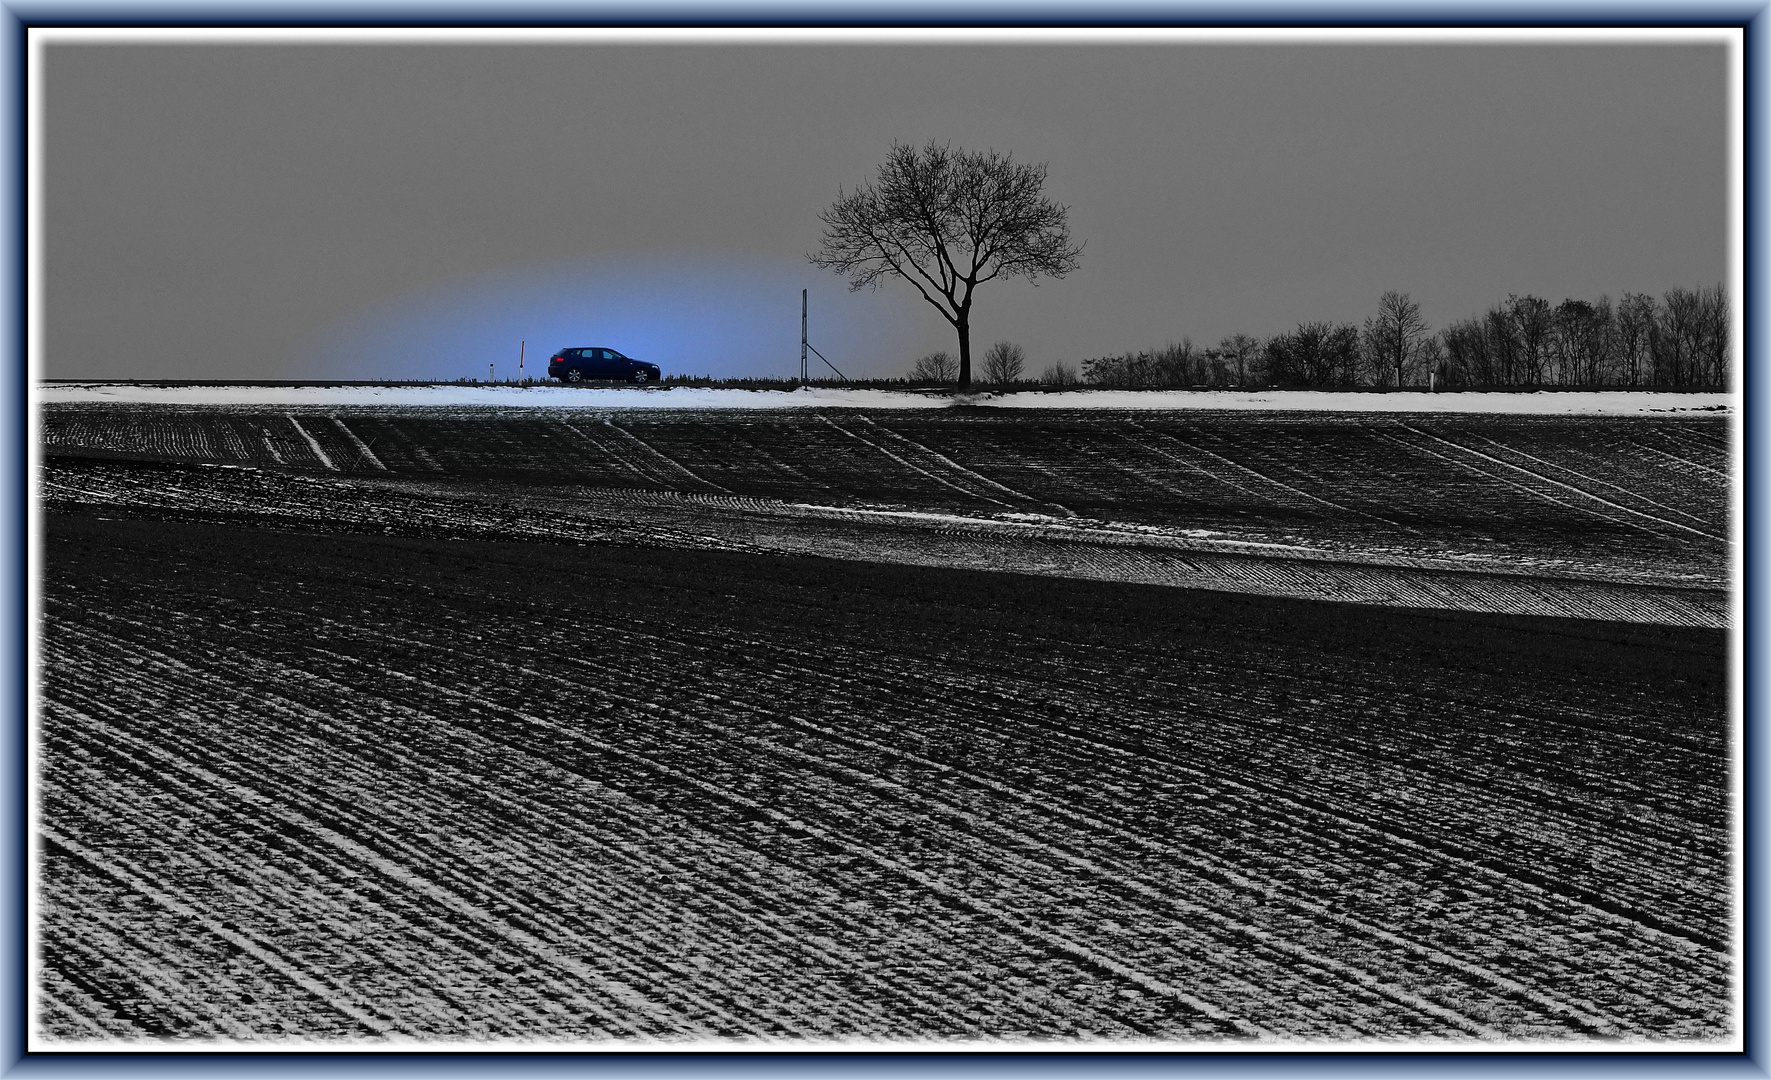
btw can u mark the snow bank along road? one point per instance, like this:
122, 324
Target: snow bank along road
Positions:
377, 740
552, 397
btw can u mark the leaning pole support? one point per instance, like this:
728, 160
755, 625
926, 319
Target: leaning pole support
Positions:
805, 345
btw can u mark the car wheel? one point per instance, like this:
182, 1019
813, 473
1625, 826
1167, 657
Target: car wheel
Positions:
573, 375
642, 377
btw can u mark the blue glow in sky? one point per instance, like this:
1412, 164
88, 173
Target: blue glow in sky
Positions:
715, 314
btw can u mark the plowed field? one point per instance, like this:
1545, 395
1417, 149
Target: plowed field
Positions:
1618, 518
426, 729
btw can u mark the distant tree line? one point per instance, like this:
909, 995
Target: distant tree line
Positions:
1679, 341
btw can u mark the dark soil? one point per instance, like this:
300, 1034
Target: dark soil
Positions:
305, 785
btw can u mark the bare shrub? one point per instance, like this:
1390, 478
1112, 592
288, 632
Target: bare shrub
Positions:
1170, 366
937, 367
1129, 369
1059, 374
1003, 363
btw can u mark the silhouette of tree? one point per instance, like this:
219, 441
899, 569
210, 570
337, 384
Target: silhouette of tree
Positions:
1633, 325
1393, 336
1003, 362
947, 221
1531, 318
1316, 354
1241, 355
1581, 341
935, 367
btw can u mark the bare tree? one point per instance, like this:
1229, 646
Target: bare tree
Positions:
1393, 336
1532, 319
1178, 365
1317, 354
936, 367
1634, 322
1580, 340
1679, 342
1716, 321
1217, 369
947, 221
1003, 362
1468, 359
1431, 358
1241, 354
1501, 347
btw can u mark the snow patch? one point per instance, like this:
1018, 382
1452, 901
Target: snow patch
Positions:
1543, 402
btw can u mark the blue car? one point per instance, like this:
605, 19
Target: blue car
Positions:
595, 362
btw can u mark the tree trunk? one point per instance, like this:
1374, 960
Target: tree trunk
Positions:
965, 350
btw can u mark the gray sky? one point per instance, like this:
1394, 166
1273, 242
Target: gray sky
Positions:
363, 211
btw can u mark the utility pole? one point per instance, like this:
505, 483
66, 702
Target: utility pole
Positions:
521, 345
490, 368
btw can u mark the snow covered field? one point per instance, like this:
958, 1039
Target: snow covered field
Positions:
1545, 403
